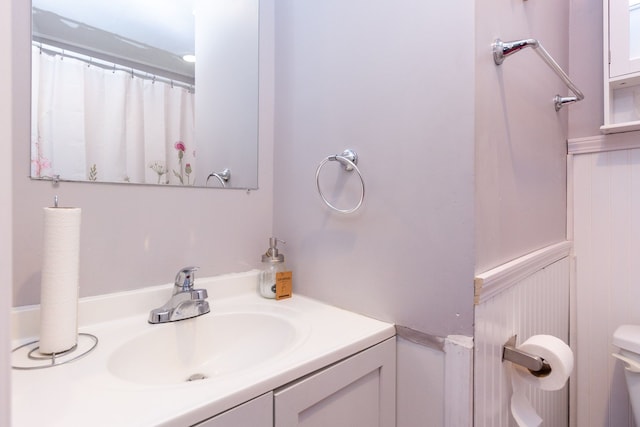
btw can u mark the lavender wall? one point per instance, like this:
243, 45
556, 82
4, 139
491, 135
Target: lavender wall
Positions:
137, 236
401, 84
394, 81
464, 166
6, 136
586, 66
329, 56
520, 138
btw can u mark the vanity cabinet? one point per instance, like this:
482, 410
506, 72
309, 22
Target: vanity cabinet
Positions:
358, 391
255, 413
621, 60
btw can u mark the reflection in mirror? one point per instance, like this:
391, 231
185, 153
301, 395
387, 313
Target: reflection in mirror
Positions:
634, 29
113, 100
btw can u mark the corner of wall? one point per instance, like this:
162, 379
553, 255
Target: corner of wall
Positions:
6, 134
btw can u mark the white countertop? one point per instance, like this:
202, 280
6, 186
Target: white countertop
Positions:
85, 393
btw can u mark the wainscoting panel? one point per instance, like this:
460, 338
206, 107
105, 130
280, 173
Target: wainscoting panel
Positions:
606, 232
536, 304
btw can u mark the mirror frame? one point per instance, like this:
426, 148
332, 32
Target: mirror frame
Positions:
235, 164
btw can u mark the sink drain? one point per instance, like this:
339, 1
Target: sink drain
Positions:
196, 377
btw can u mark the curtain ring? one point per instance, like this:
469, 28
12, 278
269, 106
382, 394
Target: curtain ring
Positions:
348, 159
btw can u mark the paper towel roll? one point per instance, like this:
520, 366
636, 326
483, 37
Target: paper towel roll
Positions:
559, 356
60, 277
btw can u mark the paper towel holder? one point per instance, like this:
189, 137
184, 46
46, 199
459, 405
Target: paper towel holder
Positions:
27, 356
535, 364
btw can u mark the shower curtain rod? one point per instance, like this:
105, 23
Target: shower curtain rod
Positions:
52, 50
503, 49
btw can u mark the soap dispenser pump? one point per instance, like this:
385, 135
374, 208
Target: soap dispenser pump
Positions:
273, 263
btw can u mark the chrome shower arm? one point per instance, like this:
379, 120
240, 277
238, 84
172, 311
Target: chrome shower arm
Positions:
541, 51
503, 49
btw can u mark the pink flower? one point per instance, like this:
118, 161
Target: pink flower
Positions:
180, 146
40, 164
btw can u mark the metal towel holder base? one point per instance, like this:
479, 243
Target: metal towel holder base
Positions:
349, 160
535, 364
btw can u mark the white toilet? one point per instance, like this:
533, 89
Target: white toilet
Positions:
627, 338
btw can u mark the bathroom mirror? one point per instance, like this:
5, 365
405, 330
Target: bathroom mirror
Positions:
115, 98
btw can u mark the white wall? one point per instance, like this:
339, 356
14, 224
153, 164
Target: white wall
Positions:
604, 201
137, 236
534, 303
6, 136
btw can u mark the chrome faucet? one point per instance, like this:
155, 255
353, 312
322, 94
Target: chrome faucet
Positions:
186, 302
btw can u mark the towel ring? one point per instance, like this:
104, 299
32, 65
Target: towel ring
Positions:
348, 159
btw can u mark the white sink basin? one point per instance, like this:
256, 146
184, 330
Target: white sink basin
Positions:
203, 347
246, 346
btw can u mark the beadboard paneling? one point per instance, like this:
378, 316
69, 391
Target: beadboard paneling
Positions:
538, 304
606, 229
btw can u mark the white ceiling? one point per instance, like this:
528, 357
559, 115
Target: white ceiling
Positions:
164, 24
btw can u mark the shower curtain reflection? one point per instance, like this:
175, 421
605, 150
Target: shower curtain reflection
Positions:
98, 124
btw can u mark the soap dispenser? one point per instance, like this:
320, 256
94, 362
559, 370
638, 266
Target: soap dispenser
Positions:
273, 269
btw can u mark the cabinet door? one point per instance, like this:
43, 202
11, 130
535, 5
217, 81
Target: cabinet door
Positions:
358, 391
624, 31
255, 413
621, 57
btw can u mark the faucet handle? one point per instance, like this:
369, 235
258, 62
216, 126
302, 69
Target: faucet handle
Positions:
185, 278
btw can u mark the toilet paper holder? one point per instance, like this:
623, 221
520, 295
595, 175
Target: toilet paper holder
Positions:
535, 364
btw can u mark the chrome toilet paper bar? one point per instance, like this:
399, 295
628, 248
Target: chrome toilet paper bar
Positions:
536, 364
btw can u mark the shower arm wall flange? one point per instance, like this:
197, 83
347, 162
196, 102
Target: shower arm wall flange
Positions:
503, 49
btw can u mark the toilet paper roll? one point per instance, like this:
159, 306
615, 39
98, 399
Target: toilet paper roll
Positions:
60, 278
559, 357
